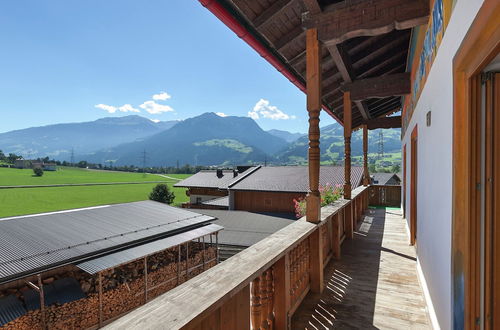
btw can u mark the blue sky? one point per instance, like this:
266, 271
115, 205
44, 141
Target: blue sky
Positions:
74, 60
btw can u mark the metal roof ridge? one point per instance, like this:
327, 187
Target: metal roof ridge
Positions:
244, 175
58, 212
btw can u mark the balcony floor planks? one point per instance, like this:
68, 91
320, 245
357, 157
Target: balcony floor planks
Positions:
374, 285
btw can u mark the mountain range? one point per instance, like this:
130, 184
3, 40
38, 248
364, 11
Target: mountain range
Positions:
207, 139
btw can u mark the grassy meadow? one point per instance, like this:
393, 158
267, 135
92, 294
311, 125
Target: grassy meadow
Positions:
17, 177
20, 201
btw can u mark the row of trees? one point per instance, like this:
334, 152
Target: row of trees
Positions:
9, 159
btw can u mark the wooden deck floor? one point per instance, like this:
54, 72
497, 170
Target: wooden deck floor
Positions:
373, 286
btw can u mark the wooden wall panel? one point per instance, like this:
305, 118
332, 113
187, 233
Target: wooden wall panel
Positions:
261, 201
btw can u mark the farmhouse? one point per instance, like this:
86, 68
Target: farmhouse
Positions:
386, 179
82, 268
210, 184
429, 67
274, 188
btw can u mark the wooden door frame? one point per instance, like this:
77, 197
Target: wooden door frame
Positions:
413, 184
404, 181
478, 48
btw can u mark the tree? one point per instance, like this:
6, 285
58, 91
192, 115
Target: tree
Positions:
38, 171
162, 194
396, 168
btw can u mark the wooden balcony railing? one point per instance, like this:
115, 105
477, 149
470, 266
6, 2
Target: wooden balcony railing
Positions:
385, 195
261, 286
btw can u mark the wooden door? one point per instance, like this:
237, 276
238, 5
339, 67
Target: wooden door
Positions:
413, 186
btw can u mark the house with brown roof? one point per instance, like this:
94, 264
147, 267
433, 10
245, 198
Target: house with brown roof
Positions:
273, 188
208, 185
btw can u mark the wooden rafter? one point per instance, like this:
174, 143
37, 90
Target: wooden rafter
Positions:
312, 6
289, 38
344, 66
271, 12
384, 122
366, 72
391, 85
367, 18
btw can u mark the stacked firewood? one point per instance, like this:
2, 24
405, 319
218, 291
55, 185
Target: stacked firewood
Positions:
123, 289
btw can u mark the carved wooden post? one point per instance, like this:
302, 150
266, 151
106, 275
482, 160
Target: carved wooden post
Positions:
256, 307
313, 76
347, 144
366, 175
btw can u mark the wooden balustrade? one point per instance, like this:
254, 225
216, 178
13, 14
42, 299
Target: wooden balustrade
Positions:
262, 286
385, 195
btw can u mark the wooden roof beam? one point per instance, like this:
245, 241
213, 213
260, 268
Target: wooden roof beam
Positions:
383, 122
367, 18
392, 85
289, 38
312, 6
271, 12
343, 63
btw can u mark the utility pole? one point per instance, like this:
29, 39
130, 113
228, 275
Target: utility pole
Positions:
72, 156
144, 163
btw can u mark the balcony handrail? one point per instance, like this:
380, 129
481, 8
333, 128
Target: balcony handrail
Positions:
196, 299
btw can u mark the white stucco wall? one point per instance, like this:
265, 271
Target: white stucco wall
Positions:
434, 199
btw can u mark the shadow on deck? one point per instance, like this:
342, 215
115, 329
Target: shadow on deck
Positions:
373, 286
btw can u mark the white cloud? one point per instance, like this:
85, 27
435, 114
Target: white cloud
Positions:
154, 108
263, 109
162, 96
128, 108
105, 107
155, 120
221, 114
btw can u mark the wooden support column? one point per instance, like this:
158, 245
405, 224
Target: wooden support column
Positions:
316, 261
347, 144
313, 75
146, 279
366, 174
282, 302
42, 302
100, 300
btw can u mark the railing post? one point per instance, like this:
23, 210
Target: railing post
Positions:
348, 220
235, 314
316, 261
282, 301
313, 85
336, 235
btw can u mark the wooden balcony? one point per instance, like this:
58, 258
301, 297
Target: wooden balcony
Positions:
278, 282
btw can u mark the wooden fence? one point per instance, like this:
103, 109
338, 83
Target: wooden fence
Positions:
385, 195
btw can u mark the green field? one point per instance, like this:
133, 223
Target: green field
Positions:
17, 177
19, 201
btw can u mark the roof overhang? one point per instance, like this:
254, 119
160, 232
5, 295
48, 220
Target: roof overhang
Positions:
365, 44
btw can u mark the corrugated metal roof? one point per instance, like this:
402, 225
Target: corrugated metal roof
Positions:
118, 258
10, 309
29, 244
222, 201
244, 228
209, 179
295, 178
